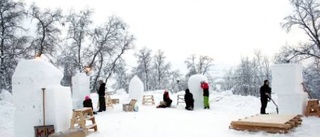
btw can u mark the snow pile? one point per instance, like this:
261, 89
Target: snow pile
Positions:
80, 89
6, 96
194, 87
6, 114
136, 88
286, 82
27, 82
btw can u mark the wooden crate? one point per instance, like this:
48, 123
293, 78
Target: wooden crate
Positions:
272, 123
130, 106
115, 101
313, 108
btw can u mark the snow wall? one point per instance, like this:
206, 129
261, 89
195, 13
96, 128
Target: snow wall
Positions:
194, 84
29, 78
286, 83
80, 89
136, 89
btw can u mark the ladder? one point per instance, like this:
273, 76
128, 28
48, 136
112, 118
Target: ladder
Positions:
80, 118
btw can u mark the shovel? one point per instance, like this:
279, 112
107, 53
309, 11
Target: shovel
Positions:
277, 109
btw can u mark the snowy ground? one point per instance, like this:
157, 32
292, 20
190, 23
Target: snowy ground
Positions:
176, 122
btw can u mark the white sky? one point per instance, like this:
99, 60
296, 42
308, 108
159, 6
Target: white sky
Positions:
225, 30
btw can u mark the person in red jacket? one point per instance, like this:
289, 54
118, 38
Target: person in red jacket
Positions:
205, 87
166, 100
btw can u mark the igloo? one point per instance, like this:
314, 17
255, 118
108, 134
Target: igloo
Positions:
27, 82
80, 89
286, 83
136, 88
194, 87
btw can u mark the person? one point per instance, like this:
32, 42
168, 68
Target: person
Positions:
188, 98
88, 103
166, 100
205, 87
101, 93
265, 96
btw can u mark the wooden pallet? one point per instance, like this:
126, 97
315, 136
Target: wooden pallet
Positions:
272, 123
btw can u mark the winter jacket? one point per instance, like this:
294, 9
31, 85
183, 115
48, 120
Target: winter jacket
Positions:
167, 99
188, 97
102, 90
205, 87
264, 90
88, 103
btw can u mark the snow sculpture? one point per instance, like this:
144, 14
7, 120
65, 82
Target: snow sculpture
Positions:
27, 82
286, 83
136, 88
196, 90
80, 89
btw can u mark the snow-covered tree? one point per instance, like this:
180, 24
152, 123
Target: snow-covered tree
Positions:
12, 42
121, 76
161, 71
143, 70
199, 65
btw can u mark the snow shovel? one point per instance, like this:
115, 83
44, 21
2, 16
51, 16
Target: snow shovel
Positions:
277, 109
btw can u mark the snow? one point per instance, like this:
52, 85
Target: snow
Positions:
196, 90
80, 89
286, 83
176, 121
136, 89
27, 82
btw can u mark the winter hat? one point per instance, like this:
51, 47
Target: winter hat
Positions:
87, 97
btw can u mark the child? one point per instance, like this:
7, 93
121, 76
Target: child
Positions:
88, 103
205, 87
166, 100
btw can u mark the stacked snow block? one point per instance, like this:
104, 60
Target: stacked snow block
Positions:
286, 83
80, 89
27, 82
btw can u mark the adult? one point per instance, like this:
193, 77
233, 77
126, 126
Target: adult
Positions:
166, 100
101, 93
265, 95
188, 98
205, 87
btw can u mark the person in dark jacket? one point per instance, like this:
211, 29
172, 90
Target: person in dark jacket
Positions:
88, 103
166, 100
205, 87
265, 94
188, 98
101, 93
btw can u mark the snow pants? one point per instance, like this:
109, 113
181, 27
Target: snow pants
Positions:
206, 101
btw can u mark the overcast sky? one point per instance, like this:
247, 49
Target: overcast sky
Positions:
225, 30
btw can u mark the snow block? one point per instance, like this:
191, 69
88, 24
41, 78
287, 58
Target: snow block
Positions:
287, 78
292, 103
80, 89
194, 87
29, 78
136, 89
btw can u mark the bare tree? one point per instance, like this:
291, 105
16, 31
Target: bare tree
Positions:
202, 66
78, 33
110, 42
305, 16
47, 32
12, 43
